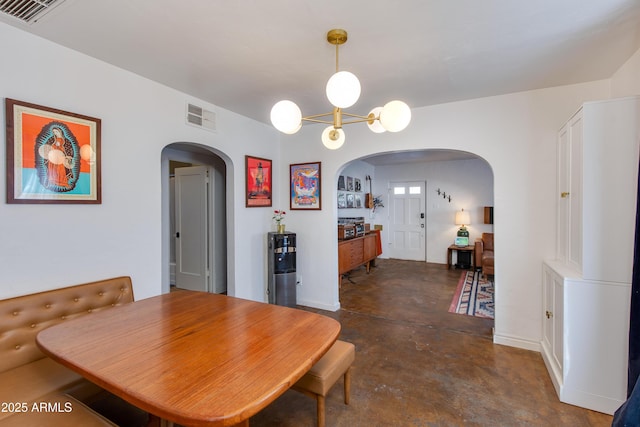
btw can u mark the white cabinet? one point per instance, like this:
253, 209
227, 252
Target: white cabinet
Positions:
587, 288
585, 338
597, 185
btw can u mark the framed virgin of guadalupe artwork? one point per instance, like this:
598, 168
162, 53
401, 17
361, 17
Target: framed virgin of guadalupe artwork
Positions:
53, 156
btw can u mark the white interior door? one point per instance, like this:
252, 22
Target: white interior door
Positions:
191, 216
407, 220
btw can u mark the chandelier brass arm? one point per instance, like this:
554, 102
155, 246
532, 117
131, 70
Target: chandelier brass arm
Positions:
337, 123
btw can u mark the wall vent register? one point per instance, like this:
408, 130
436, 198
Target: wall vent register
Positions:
28, 11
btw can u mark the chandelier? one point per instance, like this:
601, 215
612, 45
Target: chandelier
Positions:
343, 90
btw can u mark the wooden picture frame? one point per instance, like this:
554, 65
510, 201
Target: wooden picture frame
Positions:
258, 182
305, 182
52, 156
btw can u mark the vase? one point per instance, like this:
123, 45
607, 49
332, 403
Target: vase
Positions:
280, 228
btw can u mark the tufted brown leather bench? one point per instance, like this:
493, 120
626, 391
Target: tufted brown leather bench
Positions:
27, 376
323, 375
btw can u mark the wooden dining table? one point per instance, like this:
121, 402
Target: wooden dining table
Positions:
193, 358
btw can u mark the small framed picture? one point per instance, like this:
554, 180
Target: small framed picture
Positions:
356, 184
342, 200
53, 156
258, 176
349, 183
350, 200
341, 184
358, 201
305, 179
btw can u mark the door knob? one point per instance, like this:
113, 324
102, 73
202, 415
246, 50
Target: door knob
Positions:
549, 314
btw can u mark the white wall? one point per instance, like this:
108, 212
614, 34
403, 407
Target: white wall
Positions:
626, 81
49, 246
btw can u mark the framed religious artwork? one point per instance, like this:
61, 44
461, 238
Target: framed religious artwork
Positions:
304, 179
53, 156
258, 181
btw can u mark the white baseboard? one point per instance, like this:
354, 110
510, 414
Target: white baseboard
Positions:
320, 306
516, 342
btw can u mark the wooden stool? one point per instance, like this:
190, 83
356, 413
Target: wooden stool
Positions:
324, 374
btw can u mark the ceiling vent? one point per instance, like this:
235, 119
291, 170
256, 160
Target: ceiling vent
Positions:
28, 11
198, 116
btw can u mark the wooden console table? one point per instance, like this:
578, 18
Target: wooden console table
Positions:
359, 251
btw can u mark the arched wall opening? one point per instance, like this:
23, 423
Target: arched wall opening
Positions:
452, 179
220, 216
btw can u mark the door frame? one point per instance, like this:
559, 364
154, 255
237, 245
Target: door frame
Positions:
206, 246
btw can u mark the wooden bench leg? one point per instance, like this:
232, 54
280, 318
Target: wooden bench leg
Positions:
320, 409
347, 386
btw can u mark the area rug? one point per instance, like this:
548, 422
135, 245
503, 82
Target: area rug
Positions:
473, 296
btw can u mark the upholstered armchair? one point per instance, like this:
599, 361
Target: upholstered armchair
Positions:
484, 253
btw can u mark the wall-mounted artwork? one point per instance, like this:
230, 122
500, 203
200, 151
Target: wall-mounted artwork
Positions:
342, 200
258, 177
53, 156
305, 179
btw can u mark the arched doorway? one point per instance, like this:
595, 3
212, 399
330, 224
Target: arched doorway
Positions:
215, 241
452, 180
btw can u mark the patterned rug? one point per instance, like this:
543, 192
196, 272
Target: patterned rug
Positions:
473, 296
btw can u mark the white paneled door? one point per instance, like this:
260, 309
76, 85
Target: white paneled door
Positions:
407, 220
191, 192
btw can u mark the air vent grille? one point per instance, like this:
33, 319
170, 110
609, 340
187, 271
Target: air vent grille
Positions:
27, 10
198, 116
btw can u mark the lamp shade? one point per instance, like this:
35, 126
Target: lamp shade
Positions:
286, 117
333, 138
343, 89
463, 218
395, 116
375, 125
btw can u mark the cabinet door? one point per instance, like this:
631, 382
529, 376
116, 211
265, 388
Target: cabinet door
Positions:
552, 329
574, 255
356, 249
370, 247
558, 319
547, 325
563, 194
344, 257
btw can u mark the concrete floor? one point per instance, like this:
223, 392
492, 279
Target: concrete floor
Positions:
418, 365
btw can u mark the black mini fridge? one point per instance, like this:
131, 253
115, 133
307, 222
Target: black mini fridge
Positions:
281, 257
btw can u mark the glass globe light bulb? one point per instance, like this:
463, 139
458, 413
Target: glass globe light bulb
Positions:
286, 117
395, 116
333, 138
374, 121
343, 89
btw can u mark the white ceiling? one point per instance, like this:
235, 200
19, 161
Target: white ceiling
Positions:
245, 55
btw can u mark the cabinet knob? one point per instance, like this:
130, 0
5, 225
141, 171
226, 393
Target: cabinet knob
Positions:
564, 194
549, 314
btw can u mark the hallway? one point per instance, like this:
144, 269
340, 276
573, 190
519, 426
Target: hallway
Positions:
418, 365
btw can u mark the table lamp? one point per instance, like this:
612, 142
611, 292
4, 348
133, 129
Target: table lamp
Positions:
462, 219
